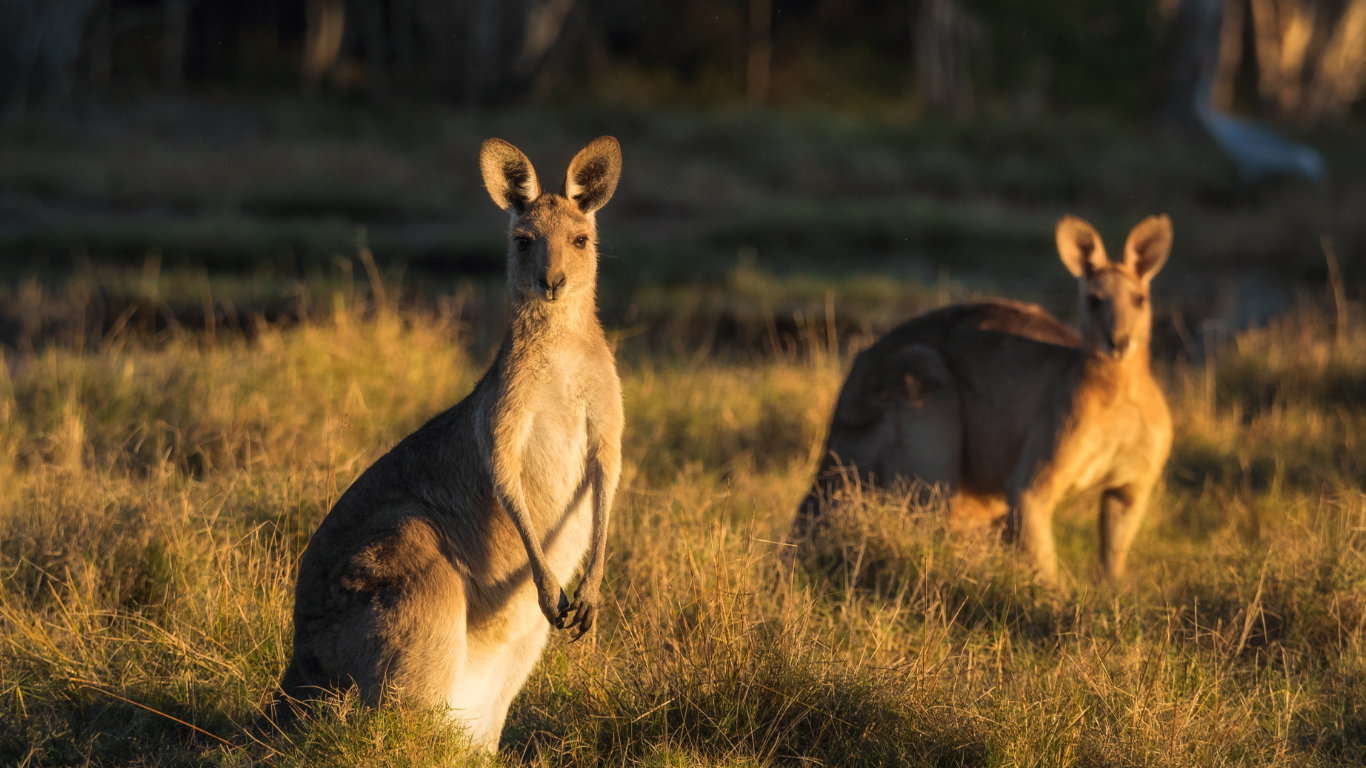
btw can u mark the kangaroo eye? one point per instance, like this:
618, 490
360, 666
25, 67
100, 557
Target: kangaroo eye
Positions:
1094, 302
1139, 301
523, 242
581, 241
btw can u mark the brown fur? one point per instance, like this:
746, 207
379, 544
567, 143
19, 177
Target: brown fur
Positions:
1009, 409
435, 579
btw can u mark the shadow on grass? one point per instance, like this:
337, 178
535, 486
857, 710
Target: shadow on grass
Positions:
747, 691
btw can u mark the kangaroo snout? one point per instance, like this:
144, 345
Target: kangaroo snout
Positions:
552, 284
1119, 346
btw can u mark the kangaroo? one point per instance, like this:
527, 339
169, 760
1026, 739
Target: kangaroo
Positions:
1008, 409
435, 579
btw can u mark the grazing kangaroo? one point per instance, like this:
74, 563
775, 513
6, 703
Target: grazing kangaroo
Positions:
1008, 409
435, 579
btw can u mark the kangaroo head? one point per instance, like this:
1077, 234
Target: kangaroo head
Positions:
552, 238
1115, 313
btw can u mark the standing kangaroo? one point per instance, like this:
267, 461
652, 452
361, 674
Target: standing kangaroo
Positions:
1009, 409
435, 579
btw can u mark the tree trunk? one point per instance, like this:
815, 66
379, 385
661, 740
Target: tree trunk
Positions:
942, 32
401, 40
760, 51
481, 55
174, 29
325, 25
553, 64
102, 44
1230, 53
40, 40
1301, 75
544, 23
1341, 73
376, 50
1190, 60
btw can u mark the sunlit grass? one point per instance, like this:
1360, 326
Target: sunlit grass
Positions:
156, 492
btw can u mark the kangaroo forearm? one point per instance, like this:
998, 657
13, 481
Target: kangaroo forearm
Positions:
509, 437
604, 468
597, 560
603, 492
514, 504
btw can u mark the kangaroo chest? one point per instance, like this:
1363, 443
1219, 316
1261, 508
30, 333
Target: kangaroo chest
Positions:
555, 455
1125, 438
555, 463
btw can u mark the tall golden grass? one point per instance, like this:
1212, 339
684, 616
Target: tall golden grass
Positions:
155, 494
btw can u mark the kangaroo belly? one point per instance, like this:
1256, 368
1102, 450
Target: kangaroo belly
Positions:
993, 440
1119, 449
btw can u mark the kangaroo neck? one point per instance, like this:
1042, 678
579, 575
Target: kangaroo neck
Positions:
1121, 375
540, 328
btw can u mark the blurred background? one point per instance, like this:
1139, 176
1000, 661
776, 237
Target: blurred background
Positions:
202, 162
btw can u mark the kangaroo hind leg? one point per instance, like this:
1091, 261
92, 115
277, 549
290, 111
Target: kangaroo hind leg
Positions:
414, 624
924, 441
1121, 510
897, 419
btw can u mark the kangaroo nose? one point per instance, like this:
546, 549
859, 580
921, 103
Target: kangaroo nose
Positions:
1120, 345
551, 284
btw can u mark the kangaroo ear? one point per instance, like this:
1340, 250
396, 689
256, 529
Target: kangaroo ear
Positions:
1148, 245
508, 176
593, 174
1080, 247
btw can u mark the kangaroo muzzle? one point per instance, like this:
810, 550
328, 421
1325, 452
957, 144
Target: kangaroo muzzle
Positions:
1119, 346
552, 285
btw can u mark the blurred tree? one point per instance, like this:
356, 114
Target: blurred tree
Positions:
545, 20
175, 30
1311, 56
1020, 57
1069, 54
1193, 62
101, 43
402, 42
376, 41
482, 51
944, 35
40, 41
760, 50
326, 24
1232, 32
1190, 59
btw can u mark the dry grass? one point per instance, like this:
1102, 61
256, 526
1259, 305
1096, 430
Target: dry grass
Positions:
155, 493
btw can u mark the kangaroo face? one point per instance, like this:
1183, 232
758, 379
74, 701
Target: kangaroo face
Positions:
1114, 312
552, 250
552, 238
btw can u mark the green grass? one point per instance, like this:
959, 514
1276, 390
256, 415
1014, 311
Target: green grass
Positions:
156, 489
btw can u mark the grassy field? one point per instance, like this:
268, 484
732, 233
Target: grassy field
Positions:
157, 487
283, 185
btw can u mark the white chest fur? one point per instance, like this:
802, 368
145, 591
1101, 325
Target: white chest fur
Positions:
554, 474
